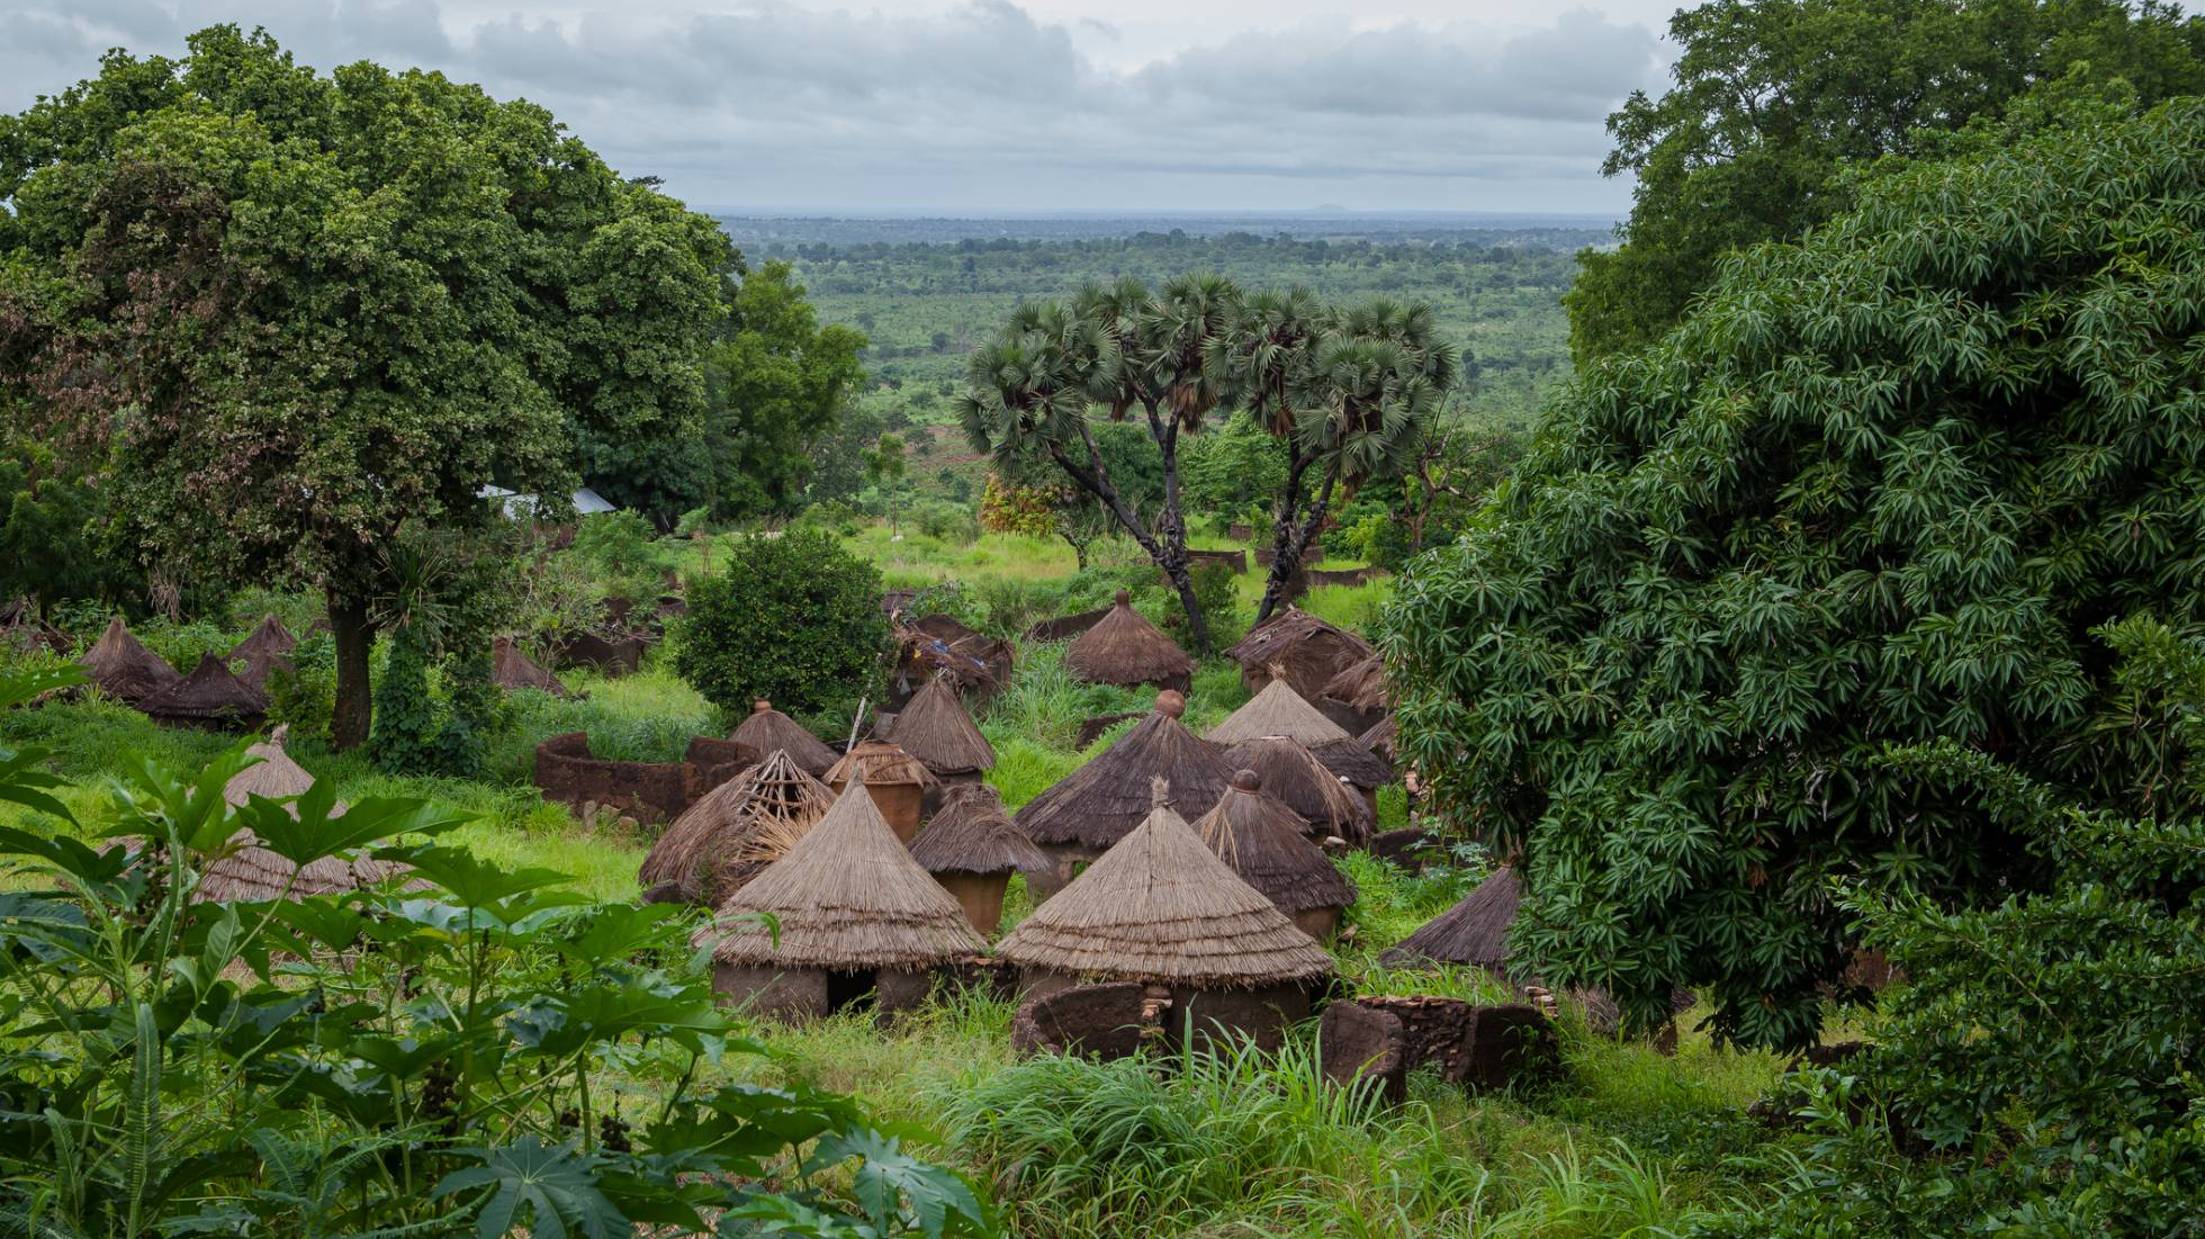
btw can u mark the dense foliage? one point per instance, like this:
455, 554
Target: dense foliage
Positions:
795, 619
1876, 490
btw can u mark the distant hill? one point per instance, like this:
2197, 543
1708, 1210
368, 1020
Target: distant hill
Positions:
765, 233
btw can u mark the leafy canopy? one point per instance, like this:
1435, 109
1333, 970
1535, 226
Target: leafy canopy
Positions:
795, 619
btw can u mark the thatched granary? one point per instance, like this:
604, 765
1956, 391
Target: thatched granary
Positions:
267, 647
1124, 648
1293, 774
935, 729
252, 873
972, 849
1473, 932
733, 832
123, 668
1277, 710
940, 645
210, 697
1384, 738
767, 729
1264, 841
23, 631
512, 670
1306, 651
898, 782
1362, 686
1098, 804
856, 917
1160, 908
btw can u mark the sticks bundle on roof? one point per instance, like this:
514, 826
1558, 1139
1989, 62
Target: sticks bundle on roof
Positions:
1160, 907
1102, 801
972, 834
511, 670
1293, 774
768, 729
1474, 931
1124, 648
1277, 710
124, 668
735, 830
935, 729
1266, 843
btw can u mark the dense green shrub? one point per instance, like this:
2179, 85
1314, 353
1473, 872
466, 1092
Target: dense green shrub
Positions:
1876, 490
623, 554
794, 618
953, 523
301, 695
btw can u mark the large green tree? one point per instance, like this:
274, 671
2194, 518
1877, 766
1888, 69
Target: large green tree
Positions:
1876, 490
298, 311
1774, 100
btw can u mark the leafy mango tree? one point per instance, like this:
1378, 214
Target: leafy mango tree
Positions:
1877, 490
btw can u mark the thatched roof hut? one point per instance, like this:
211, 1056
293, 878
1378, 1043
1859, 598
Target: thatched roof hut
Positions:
972, 849
123, 668
733, 832
22, 630
511, 670
252, 873
1277, 710
267, 647
209, 697
1474, 931
1103, 801
1362, 686
273, 777
935, 729
940, 645
1384, 738
1306, 651
768, 729
1124, 648
1293, 774
898, 782
1265, 842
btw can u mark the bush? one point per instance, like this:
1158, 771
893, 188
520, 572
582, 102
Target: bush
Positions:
795, 618
303, 695
953, 523
622, 551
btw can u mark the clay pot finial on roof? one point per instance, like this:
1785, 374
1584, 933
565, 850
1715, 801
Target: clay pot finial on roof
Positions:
1171, 703
1247, 781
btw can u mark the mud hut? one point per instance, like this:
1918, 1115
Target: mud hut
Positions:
267, 647
935, 729
1306, 651
1161, 909
1293, 774
123, 668
768, 729
1124, 648
210, 697
1474, 931
733, 832
1265, 842
898, 782
1093, 807
1277, 710
856, 917
512, 670
972, 849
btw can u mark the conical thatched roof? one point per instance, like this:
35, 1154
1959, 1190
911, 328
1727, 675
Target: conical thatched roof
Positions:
935, 729
972, 834
1384, 738
1362, 686
1293, 774
273, 777
1307, 651
878, 761
124, 668
1102, 801
1124, 648
1474, 931
1161, 907
1277, 710
1266, 843
735, 830
265, 648
209, 694
253, 873
510, 669
768, 729
847, 895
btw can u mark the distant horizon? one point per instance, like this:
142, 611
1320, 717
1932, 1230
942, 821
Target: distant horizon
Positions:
870, 212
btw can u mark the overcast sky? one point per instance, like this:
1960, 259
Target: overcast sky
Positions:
988, 105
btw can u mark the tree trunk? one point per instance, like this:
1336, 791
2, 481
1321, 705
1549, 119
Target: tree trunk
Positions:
1172, 531
1285, 517
355, 638
1166, 547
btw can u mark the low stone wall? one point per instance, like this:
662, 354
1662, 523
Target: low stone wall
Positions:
1235, 559
1483, 1047
1112, 1019
567, 772
1341, 576
1314, 553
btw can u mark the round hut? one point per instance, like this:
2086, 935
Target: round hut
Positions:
1362, 687
1384, 739
768, 729
1293, 774
972, 849
1265, 842
123, 668
1474, 931
733, 832
1277, 710
935, 729
1124, 648
267, 647
210, 697
1306, 651
1161, 909
1081, 815
512, 670
252, 873
899, 784
852, 917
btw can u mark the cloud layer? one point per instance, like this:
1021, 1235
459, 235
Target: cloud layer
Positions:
978, 107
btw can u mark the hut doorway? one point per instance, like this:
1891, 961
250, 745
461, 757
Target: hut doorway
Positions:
845, 989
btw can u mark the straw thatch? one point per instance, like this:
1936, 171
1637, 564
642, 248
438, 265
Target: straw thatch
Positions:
935, 729
735, 830
847, 896
209, 695
878, 763
1277, 710
1102, 801
1362, 686
972, 834
1384, 738
1306, 651
1264, 841
252, 873
768, 729
125, 669
22, 630
1124, 648
1474, 931
273, 777
1293, 774
510, 669
1162, 908
267, 647
941, 645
